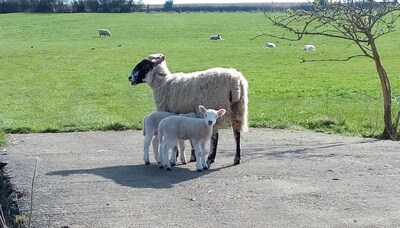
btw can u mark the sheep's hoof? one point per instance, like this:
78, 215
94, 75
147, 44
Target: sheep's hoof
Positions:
236, 161
205, 167
209, 162
168, 168
199, 170
173, 164
147, 163
184, 163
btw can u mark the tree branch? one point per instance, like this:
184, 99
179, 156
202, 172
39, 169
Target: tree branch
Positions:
332, 60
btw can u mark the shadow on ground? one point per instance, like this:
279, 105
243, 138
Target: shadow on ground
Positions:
141, 176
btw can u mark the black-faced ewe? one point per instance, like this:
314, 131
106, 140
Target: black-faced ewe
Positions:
182, 93
150, 127
104, 32
197, 130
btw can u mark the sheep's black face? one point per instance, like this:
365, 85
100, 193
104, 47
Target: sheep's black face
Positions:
139, 72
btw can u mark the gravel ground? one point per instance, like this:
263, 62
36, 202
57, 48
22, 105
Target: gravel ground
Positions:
286, 179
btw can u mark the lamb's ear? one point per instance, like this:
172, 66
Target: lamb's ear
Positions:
202, 109
221, 112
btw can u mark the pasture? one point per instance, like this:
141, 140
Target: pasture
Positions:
58, 75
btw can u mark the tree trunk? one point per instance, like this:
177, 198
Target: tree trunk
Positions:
389, 131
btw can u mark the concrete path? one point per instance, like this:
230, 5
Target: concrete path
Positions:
286, 179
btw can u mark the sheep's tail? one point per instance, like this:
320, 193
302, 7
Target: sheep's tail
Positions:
239, 105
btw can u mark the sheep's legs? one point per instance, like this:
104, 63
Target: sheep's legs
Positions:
155, 148
214, 144
237, 140
174, 155
160, 154
164, 151
192, 153
203, 156
182, 151
146, 145
213, 149
199, 165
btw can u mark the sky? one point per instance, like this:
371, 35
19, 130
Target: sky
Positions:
219, 1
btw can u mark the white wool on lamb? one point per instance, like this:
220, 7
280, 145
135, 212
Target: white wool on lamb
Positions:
182, 93
150, 127
198, 131
104, 32
309, 47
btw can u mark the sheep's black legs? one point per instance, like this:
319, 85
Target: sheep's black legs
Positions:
214, 144
213, 152
237, 140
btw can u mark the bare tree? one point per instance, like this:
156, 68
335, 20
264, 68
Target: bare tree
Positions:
361, 23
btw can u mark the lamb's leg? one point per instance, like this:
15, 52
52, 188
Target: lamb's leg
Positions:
160, 155
155, 147
182, 153
146, 145
213, 148
174, 155
192, 153
165, 146
203, 156
237, 140
197, 148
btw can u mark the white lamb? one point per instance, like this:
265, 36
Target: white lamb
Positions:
270, 45
216, 37
182, 93
104, 32
198, 131
309, 47
150, 126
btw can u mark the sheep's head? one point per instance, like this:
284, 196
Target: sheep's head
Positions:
141, 70
211, 115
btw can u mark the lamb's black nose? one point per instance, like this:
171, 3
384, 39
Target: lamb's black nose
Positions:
209, 122
130, 78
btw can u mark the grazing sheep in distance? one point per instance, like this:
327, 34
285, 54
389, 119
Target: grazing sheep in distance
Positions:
150, 126
182, 93
198, 131
216, 37
104, 32
271, 45
309, 47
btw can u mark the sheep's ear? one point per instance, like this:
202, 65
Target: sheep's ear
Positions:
202, 109
221, 112
156, 59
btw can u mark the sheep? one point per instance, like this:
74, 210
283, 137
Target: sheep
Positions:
182, 93
309, 47
104, 32
271, 45
216, 37
198, 131
150, 126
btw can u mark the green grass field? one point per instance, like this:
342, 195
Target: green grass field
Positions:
57, 75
